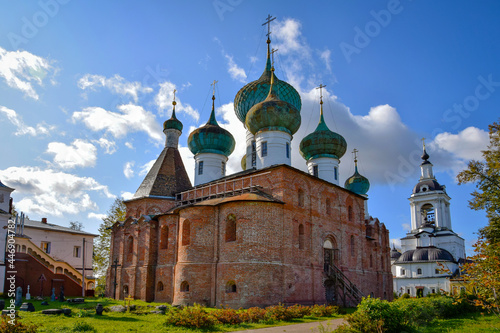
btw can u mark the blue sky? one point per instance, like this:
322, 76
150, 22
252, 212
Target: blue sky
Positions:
85, 87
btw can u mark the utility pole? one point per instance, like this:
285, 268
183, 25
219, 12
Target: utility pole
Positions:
83, 268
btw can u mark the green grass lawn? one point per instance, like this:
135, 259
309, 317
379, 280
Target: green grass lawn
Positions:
135, 321
471, 324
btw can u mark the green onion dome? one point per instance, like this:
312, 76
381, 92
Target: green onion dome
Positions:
322, 142
257, 91
244, 162
173, 122
273, 114
357, 183
211, 138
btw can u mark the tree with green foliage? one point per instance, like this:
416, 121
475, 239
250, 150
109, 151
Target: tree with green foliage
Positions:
486, 175
102, 244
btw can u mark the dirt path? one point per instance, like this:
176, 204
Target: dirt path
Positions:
298, 328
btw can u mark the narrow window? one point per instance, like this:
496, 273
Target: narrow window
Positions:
433, 290
335, 173
223, 168
125, 290
186, 233
352, 246
231, 228
436, 271
46, 247
301, 198
402, 272
408, 291
254, 154
328, 206
230, 287
287, 150
371, 260
200, 167
349, 213
301, 236
76, 251
160, 286
315, 170
263, 147
164, 238
419, 271
184, 286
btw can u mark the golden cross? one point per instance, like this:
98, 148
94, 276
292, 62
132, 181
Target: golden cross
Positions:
272, 55
175, 90
321, 86
213, 84
268, 22
423, 142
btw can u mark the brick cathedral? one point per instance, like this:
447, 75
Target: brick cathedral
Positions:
269, 234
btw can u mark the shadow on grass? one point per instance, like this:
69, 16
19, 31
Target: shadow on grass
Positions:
106, 318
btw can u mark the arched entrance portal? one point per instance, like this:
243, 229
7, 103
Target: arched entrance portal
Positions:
330, 260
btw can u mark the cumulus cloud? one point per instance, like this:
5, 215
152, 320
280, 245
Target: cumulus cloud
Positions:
165, 96
128, 170
466, 145
236, 72
79, 154
96, 216
108, 145
22, 70
326, 57
21, 127
144, 169
130, 118
127, 195
129, 145
52, 193
116, 84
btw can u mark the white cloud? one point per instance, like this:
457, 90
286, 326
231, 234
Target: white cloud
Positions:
188, 160
79, 154
130, 118
52, 193
146, 167
22, 128
227, 119
116, 84
129, 145
21, 70
466, 145
236, 72
289, 37
165, 96
326, 57
128, 170
127, 195
96, 216
108, 145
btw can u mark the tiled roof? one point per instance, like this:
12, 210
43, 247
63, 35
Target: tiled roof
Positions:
167, 176
54, 227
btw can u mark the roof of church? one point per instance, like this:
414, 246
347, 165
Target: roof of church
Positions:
422, 254
167, 176
5, 186
431, 183
54, 227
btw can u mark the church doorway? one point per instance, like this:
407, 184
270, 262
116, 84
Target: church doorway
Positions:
330, 292
330, 254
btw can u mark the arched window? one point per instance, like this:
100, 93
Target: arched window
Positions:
90, 286
130, 248
160, 286
186, 233
231, 228
301, 197
301, 236
328, 206
230, 287
352, 246
125, 290
349, 213
419, 271
184, 286
164, 238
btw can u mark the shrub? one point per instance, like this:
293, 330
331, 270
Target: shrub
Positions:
191, 316
299, 311
278, 313
18, 327
80, 326
375, 315
252, 315
405, 295
227, 316
324, 311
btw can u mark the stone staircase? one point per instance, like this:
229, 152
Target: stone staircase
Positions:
344, 288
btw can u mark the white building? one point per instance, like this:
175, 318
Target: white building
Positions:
431, 251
